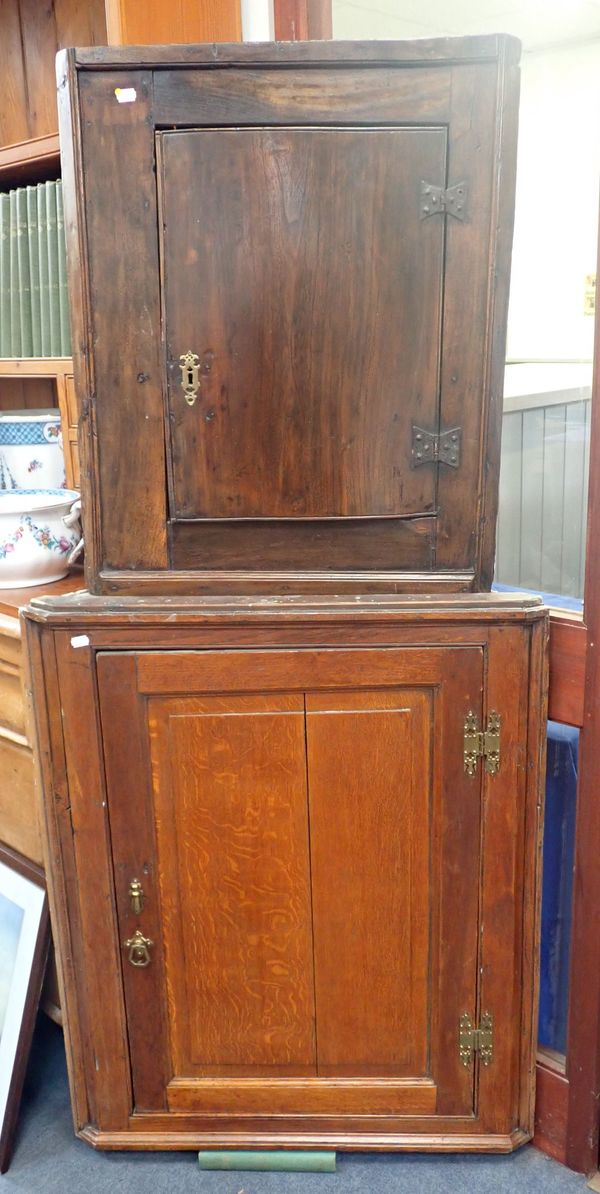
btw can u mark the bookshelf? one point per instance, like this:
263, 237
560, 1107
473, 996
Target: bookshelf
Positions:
30, 36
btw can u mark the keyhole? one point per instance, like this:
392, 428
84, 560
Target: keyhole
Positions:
190, 378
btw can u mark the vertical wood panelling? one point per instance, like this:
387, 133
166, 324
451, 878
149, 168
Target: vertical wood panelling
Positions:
573, 529
31, 32
554, 472
302, 20
543, 498
509, 531
14, 123
40, 43
532, 496
584, 495
130, 22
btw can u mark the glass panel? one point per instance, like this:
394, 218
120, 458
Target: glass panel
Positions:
557, 885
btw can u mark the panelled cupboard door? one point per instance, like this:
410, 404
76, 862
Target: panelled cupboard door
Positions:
264, 231
308, 845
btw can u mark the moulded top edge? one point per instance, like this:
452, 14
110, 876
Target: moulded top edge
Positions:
176, 610
419, 51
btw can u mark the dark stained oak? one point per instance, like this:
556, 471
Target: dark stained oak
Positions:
268, 201
282, 282
279, 544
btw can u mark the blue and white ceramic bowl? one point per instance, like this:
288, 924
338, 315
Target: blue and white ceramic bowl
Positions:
31, 450
37, 535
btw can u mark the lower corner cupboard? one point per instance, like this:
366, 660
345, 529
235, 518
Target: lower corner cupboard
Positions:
293, 855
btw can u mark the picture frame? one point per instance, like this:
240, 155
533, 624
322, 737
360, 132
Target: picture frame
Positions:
24, 943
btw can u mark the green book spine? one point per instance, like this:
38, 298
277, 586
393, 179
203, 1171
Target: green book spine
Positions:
24, 275
274, 1160
54, 304
34, 271
63, 294
15, 314
4, 275
43, 264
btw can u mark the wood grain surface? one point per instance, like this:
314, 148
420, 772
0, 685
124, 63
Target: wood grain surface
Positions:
229, 779
234, 804
327, 316
370, 785
306, 402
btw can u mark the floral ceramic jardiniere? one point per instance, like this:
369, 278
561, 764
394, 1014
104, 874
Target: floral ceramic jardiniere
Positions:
35, 540
31, 451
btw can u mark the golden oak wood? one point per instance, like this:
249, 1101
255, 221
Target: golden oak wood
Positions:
221, 757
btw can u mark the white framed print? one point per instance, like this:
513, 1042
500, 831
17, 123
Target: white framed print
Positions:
24, 941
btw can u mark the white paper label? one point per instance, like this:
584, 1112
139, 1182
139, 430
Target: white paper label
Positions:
80, 640
126, 95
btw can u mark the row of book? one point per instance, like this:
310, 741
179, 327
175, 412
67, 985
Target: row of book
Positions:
34, 307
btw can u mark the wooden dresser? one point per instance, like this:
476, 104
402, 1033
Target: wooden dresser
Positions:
19, 801
20, 804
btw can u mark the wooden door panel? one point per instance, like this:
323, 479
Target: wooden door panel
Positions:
369, 767
229, 783
317, 855
283, 283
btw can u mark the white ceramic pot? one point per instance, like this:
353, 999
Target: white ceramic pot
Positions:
35, 538
31, 450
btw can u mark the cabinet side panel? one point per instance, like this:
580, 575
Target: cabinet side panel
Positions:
128, 478
502, 221
532, 895
470, 320
508, 877
125, 749
92, 896
78, 283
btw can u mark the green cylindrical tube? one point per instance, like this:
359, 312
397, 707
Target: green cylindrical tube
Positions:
282, 1160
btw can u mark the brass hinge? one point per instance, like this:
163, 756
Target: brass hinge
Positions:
436, 201
429, 448
482, 744
476, 1040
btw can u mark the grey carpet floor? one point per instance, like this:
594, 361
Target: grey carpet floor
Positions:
49, 1160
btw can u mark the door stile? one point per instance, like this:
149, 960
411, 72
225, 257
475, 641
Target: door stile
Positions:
310, 874
455, 968
511, 803
126, 762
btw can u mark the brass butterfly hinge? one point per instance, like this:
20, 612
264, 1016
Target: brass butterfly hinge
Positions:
436, 201
429, 448
482, 744
476, 1040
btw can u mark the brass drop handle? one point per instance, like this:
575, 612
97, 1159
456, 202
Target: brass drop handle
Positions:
139, 949
136, 896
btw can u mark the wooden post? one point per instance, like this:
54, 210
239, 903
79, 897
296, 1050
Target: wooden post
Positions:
302, 20
583, 1045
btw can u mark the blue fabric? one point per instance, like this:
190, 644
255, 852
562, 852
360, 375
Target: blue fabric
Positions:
556, 600
557, 884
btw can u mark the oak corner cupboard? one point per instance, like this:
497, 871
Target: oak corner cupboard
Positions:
289, 284
294, 866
